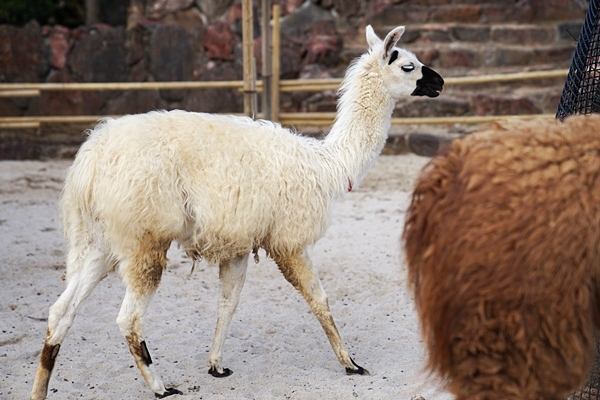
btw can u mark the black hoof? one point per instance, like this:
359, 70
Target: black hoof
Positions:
217, 374
358, 371
167, 393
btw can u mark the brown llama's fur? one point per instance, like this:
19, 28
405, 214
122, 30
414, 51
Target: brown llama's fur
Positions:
502, 243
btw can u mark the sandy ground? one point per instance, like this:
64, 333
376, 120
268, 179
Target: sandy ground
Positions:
275, 346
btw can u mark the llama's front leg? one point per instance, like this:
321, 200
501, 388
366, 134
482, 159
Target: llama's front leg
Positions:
85, 268
141, 277
298, 270
232, 275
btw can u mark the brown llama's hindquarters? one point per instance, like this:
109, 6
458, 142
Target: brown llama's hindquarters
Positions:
502, 244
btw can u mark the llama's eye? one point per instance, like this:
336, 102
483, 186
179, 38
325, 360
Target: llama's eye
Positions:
408, 68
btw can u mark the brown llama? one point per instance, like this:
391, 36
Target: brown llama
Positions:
502, 241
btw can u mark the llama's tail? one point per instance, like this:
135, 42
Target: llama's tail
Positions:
76, 200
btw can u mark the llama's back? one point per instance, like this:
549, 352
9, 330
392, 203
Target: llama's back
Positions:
502, 248
209, 181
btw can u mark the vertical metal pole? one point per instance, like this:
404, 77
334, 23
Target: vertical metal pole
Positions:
92, 12
248, 60
275, 69
266, 58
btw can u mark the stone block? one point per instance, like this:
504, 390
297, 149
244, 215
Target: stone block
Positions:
99, 55
71, 102
59, 41
171, 58
322, 49
470, 33
157, 8
468, 13
525, 35
323, 27
234, 14
300, 22
21, 53
427, 56
424, 144
132, 102
17, 148
558, 10
190, 19
549, 102
501, 13
112, 12
213, 9
218, 42
560, 55
134, 45
433, 3
432, 33
10, 107
569, 31
442, 106
139, 72
291, 58
347, 8
458, 57
377, 6
320, 102
399, 14
216, 100
396, 144
290, 6
483, 104
409, 36
502, 56
328, 4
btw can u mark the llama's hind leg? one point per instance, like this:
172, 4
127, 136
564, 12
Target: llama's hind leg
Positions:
141, 275
232, 275
85, 268
298, 270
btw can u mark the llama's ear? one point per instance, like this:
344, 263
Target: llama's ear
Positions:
391, 39
372, 38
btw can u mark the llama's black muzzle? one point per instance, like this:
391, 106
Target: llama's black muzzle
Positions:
430, 85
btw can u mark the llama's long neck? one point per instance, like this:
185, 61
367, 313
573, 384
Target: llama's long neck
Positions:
363, 120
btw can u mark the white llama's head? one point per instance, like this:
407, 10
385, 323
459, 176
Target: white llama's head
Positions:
402, 71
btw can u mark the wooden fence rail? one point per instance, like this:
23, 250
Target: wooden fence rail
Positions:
290, 119
307, 119
286, 85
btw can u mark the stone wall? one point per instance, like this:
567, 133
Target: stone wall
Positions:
181, 40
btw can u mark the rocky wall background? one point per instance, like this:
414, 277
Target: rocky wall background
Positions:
181, 40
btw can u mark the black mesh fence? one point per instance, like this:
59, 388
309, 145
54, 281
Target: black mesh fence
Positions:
591, 388
581, 95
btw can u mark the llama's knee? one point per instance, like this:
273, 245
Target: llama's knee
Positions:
141, 275
63, 311
297, 269
59, 322
132, 310
142, 270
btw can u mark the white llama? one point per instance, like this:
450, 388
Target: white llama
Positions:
223, 187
